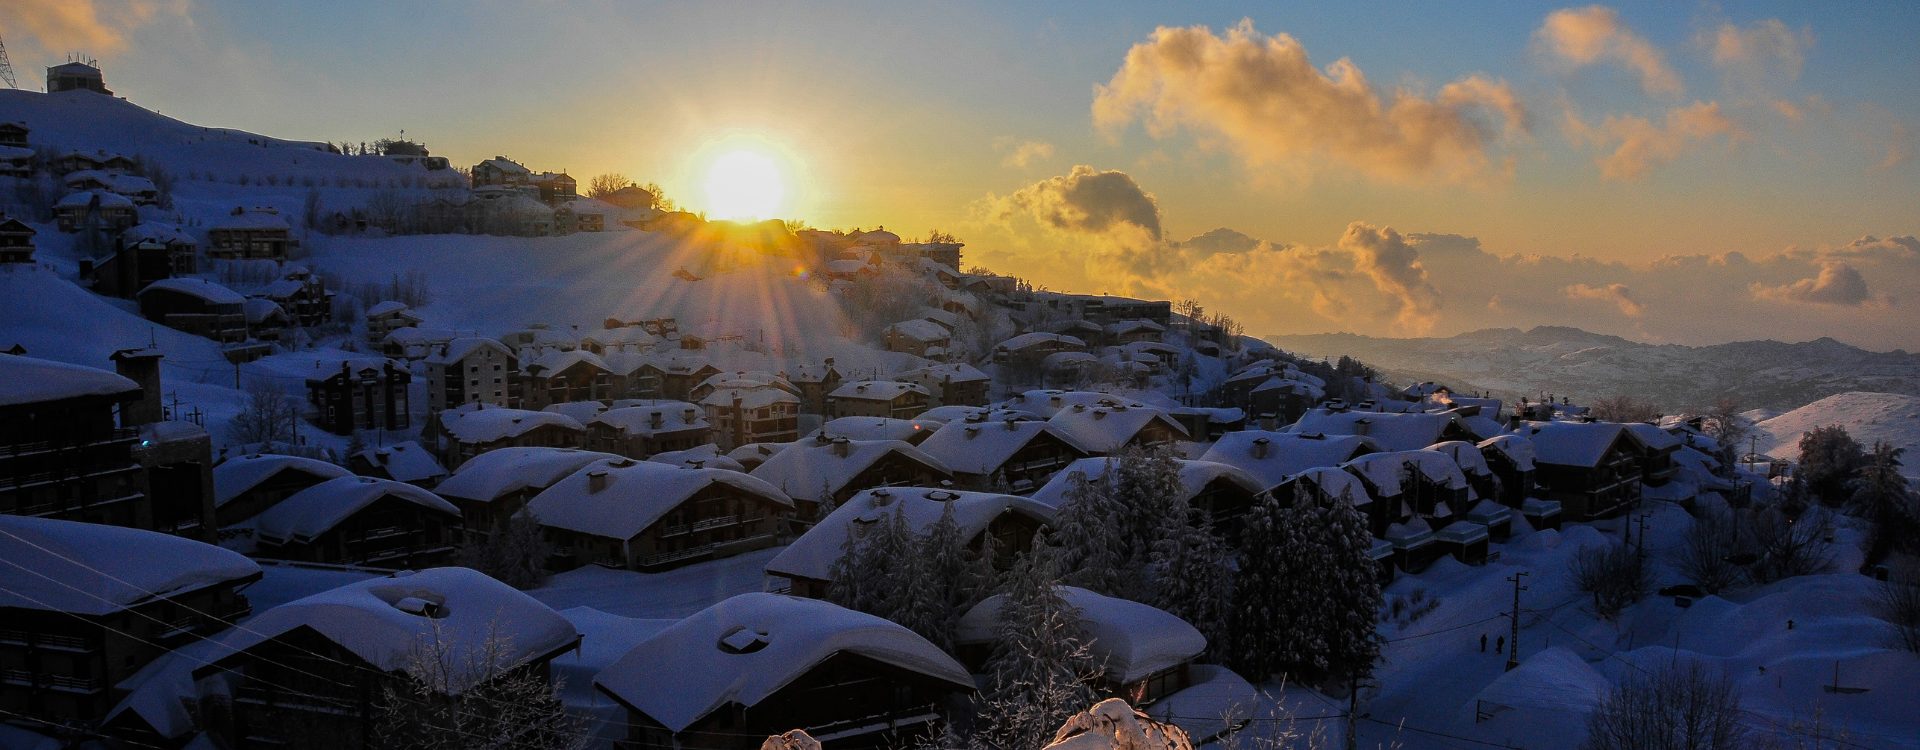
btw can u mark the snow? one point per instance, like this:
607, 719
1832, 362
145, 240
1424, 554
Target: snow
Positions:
923, 331
1653, 437
620, 498
673, 593
1203, 707
749, 398
1465, 455
1869, 417
981, 447
579, 411
878, 428
406, 462
1133, 640
875, 390
236, 476
95, 570
1571, 443
1037, 338
490, 424
315, 510
85, 198
1517, 449
387, 307
1285, 453
1107, 429
787, 635
1395, 432
813, 554
1195, 475
1335, 482
504, 471
702, 456
806, 468
211, 293
31, 380
364, 619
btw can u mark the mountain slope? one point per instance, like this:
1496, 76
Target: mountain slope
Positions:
1868, 417
1568, 361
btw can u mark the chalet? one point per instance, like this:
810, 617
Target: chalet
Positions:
740, 416
145, 253
1045, 403
416, 343
315, 672
1510, 459
877, 398
814, 382
619, 339
1019, 456
760, 664
265, 318
561, 377
493, 486
95, 211
741, 379
76, 76
13, 134
101, 160
831, 470
386, 317
16, 240
473, 429
366, 394
471, 370
250, 234
1272, 457
1106, 430
1274, 390
16, 161
1591, 468
752, 455
1223, 492
807, 564
1028, 350
706, 456
556, 188
642, 430
951, 384
357, 521
679, 374
1414, 494
1485, 508
642, 515
1329, 484
913, 431
1145, 653
100, 605
63, 453
1392, 431
1658, 449
1068, 369
244, 486
135, 188
941, 273
500, 170
1122, 332
1209, 423
405, 462
920, 338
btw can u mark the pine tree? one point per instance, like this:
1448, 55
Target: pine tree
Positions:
946, 581
1353, 593
1088, 541
1257, 593
1882, 497
1151, 499
844, 584
1041, 670
1196, 583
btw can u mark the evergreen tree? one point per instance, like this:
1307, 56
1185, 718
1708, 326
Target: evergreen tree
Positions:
944, 590
1088, 542
1196, 583
1148, 491
1258, 591
1882, 497
844, 585
1040, 671
1353, 591
514, 554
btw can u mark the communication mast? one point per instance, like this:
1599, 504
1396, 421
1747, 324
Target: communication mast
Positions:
6, 67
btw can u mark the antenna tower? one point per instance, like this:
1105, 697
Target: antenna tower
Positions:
6, 67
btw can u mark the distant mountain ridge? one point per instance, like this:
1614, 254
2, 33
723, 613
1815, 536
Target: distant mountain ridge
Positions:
1560, 360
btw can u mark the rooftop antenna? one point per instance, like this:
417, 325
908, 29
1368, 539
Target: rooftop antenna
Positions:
6, 67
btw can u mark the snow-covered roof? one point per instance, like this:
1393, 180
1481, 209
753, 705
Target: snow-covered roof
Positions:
207, 291
459, 348
1572, 443
1516, 448
580, 411
639, 420
1134, 640
1274, 456
1555, 678
405, 462
552, 362
921, 330
619, 498
235, 476
376, 620
315, 510
1397, 432
622, 336
387, 307
1107, 429
1194, 477
1038, 338
1045, 403
1059, 360
756, 452
94, 569
748, 647
507, 165
1335, 482
877, 428
250, 220
260, 311
963, 412
806, 468
497, 473
1465, 455
814, 553
706, 456
750, 398
31, 380
982, 447
493, 423
155, 231
1653, 437
84, 198
957, 372
876, 390
1385, 471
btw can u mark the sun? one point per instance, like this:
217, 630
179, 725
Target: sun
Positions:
745, 184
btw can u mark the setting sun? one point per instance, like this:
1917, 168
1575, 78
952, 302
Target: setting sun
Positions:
744, 184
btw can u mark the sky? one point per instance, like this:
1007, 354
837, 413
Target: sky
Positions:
1683, 172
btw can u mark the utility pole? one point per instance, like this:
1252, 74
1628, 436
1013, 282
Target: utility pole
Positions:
1513, 633
1642, 536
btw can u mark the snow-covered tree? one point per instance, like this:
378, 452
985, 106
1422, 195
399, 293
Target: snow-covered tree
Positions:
1196, 580
1828, 458
1882, 497
1112, 724
947, 585
1260, 592
1307, 595
878, 571
1147, 491
1088, 541
1041, 670
514, 554
455, 696
1352, 590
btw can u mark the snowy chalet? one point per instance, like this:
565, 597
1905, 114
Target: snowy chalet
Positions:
740, 416
877, 398
642, 430
471, 370
366, 394
468, 431
491, 487
807, 564
957, 384
67, 444
1018, 455
834, 468
1591, 468
643, 515
1222, 491
244, 486
250, 234
16, 241
196, 306
1108, 429
1145, 653
95, 210
358, 521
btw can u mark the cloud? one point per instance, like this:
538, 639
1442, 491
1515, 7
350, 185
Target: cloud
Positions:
1263, 98
95, 26
1087, 200
1394, 266
1618, 294
1839, 283
1221, 240
1637, 145
1594, 34
1765, 46
1020, 154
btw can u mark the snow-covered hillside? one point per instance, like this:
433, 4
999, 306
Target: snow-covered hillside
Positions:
1568, 361
1868, 417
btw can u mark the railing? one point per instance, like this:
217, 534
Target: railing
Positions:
715, 522
58, 682
115, 435
48, 640
68, 504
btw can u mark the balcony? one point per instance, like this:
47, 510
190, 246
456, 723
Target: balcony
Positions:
65, 684
49, 641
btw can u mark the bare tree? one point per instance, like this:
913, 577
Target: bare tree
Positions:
1788, 546
603, 185
1616, 575
267, 417
1681, 707
1623, 408
1707, 556
461, 696
1898, 602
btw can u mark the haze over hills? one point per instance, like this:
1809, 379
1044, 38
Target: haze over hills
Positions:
1512, 362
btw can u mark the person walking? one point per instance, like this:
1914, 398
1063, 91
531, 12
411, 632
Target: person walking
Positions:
1483, 643
1500, 646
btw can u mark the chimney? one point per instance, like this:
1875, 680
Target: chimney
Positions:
972, 430
141, 366
1009, 423
1099, 414
842, 446
596, 480
739, 421
1362, 426
829, 363
655, 420
1260, 447
881, 497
